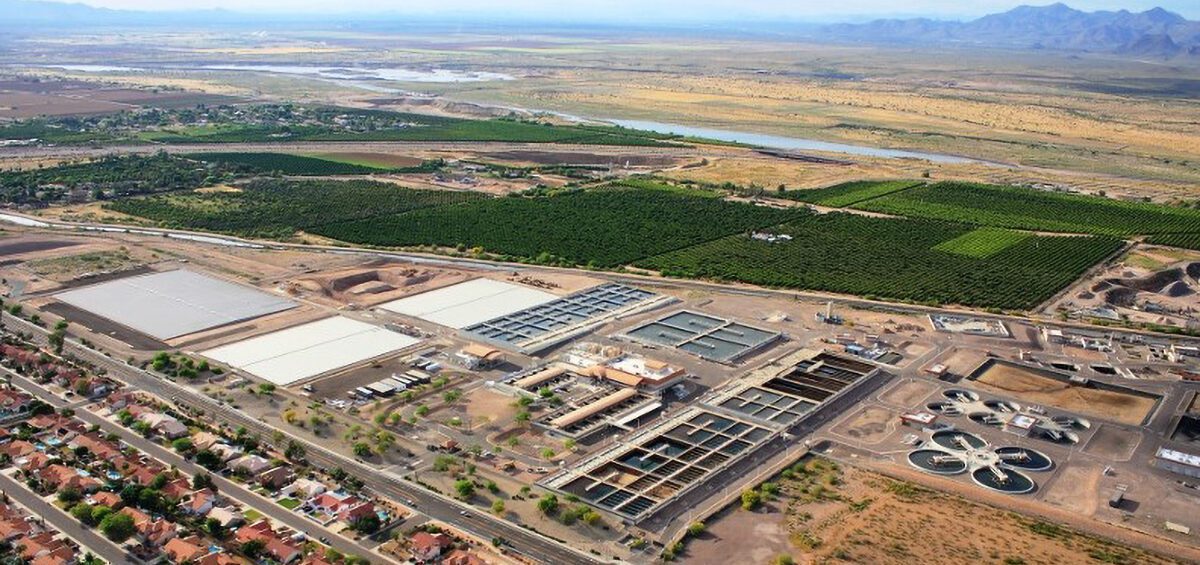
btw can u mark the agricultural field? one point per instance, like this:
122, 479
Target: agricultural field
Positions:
897, 259
846, 194
1029, 209
272, 123
113, 177
275, 208
601, 228
301, 165
1184, 240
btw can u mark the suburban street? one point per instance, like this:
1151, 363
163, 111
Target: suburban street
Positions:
433, 505
65, 523
226, 487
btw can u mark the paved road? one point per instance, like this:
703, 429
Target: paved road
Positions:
439, 507
269, 508
65, 523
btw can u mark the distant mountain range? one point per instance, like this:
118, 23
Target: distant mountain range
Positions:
1153, 33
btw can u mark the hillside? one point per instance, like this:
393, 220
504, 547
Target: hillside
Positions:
1153, 33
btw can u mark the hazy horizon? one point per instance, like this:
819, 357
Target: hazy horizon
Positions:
627, 10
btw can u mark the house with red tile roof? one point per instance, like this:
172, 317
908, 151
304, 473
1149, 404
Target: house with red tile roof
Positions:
462, 557
164, 425
427, 547
96, 445
155, 532
17, 449
14, 402
45, 544
58, 477
15, 527
105, 498
178, 488
36, 461
183, 550
201, 503
283, 550
222, 558
57, 425
275, 478
345, 507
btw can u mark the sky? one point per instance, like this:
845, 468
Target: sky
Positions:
693, 9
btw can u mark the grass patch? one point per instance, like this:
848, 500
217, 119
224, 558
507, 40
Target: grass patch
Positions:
982, 243
289, 503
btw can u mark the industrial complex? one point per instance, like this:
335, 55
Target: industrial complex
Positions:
647, 407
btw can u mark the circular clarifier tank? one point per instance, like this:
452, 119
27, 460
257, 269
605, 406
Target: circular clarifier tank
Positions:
985, 418
938, 462
1002, 406
960, 395
1006, 481
958, 441
944, 408
1024, 458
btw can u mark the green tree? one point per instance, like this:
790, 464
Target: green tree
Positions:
83, 513
751, 499
464, 488
361, 449
548, 504
253, 548
695, 529
69, 495
367, 524
201, 481
117, 527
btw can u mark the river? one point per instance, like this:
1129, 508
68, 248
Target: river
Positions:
788, 143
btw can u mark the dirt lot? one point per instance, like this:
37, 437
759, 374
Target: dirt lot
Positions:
371, 283
908, 394
26, 98
870, 425
1027, 386
826, 513
1112, 444
373, 159
572, 158
1148, 285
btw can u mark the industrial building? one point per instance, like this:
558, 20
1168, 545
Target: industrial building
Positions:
588, 402
537, 328
308, 350
1185, 464
704, 336
645, 472
173, 303
469, 303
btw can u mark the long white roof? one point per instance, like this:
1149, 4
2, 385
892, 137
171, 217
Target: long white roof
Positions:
469, 303
173, 303
311, 349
